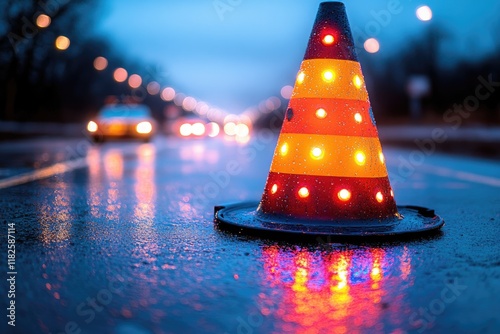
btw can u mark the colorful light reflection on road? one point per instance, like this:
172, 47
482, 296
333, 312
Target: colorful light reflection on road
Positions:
342, 291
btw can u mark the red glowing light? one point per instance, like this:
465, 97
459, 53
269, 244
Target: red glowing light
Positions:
328, 40
344, 195
303, 192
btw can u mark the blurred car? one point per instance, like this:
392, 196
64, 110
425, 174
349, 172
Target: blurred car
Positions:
122, 121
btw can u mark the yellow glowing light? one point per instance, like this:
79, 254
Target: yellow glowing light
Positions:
328, 40
284, 149
230, 128
198, 129
301, 77
303, 192
62, 42
360, 158
372, 45
242, 130
381, 157
379, 197
135, 81
392, 193
424, 13
344, 195
100, 63
358, 118
357, 81
43, 21
328, 76
92, 126
144, 127
185, 130
317, 153
120, 74
321, 113
274, 189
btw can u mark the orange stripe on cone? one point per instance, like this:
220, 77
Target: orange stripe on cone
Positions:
321, 155
330, 78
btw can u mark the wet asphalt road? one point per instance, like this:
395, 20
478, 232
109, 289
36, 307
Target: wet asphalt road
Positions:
122, 241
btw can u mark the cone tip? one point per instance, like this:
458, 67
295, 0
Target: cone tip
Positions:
331, 4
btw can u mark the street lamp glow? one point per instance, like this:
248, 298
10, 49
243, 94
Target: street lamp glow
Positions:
168, 94
153, 88
62, 42
100, 63
372, 45
43, 21
135, 81
120, 74
424, 13
286, 92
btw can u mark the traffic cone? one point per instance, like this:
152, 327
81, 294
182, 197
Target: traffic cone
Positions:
328, 175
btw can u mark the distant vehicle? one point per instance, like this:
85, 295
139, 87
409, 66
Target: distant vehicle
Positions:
122, 121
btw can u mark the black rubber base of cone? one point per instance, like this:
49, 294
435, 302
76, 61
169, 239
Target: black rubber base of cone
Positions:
244, 218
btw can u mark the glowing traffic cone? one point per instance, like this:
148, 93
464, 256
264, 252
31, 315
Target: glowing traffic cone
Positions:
328, 174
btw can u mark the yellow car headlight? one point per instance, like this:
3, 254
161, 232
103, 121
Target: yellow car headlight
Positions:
144, 127
92, 126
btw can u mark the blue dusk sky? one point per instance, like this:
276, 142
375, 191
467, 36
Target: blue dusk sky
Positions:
236, 53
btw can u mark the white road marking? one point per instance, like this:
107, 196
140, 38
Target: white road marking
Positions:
464, 176
43, 173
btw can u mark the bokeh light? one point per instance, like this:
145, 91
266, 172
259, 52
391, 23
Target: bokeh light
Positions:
92, 126
62, 42
372, 45
286, 92
144, 127
135, 81
189, 103
178, 99
185, 130
168, 94
214, 129
198, 129
242, 130
153, 88
230, 128
424, 13
120, 74
43, 21
100, 63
